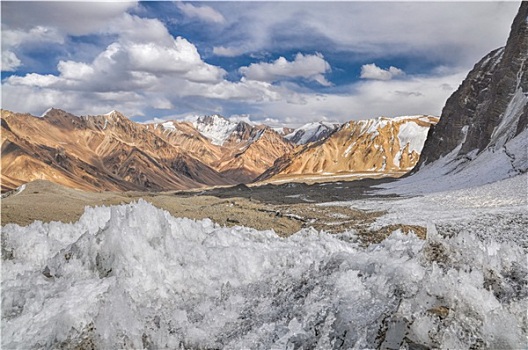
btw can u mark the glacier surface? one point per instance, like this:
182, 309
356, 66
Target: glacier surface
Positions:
133, 276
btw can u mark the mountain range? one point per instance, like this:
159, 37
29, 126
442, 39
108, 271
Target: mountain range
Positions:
376, 146
111, 152
481, 137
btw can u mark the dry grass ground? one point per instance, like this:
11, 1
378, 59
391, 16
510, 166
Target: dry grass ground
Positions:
285, 209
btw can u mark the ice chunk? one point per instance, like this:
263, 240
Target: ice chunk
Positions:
132, 276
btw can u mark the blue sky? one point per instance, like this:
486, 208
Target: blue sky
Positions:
274, 62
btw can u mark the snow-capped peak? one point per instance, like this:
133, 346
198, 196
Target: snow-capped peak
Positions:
215, 127
112, 112
311, 132
46, 112
169, 126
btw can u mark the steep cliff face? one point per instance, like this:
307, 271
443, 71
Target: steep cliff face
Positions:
381, 146
482, 134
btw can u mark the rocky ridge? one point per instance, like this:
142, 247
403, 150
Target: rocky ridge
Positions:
107, 152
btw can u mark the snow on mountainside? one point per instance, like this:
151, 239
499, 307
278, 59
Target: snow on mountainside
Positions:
112, 152
215, 127
133, 276
482, 135
311, 132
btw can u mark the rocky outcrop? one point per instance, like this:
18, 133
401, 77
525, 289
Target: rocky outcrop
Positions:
495, 89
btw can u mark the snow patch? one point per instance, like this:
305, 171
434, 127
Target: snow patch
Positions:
310, 131
46, 112
20, 189
169, 126
111, 113
15, 192
504, 157
397, 157
215, 128
413, 134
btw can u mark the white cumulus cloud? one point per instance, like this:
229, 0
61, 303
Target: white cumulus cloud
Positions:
145, 67
367, 30
10, 61
142, 68
179, 57
65, 17
38, 34
365, 99
204, 13
371, 71
227, 51
311, 67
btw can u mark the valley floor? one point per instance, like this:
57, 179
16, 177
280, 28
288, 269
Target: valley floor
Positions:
284, 208
134, 276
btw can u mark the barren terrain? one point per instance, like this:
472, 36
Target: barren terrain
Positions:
286, 208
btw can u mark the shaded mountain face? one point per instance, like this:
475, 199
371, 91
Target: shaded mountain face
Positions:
251, 155
482, 133
383, 145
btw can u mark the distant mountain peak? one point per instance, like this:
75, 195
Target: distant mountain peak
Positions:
50, 112
112, 112
311, 132
215, 127
212, 119
46, 112
115, 115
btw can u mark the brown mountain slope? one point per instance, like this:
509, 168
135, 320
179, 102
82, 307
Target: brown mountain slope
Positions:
383, 145
106, 152
188, 139
250, 156
245, 152
110, 152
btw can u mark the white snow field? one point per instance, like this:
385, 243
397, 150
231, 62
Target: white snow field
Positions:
132, 276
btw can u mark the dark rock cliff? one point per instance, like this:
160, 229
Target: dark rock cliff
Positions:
495, 89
